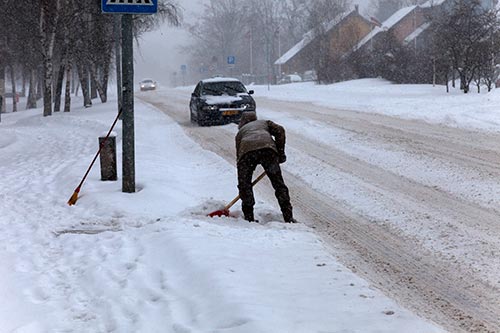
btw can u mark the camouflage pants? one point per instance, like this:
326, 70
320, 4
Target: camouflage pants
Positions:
268, 158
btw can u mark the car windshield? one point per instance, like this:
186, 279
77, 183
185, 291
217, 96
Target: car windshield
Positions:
147, 81
220, 88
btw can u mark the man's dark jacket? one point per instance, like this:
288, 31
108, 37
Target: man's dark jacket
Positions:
258, 134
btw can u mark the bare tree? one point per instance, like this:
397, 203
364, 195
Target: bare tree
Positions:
217, 33
37, 37
466, 36
49, 17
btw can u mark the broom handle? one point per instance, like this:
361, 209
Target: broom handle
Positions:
229, 205
98, 152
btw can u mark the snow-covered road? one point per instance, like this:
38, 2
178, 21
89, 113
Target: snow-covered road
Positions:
153, 261
412, 206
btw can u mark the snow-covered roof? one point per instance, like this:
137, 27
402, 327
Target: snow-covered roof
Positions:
365, 39
397, 16
308, 38
294, 50
386, 25
432, 3
219, 79
416, 33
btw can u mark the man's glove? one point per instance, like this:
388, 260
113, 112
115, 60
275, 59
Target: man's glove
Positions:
282, 158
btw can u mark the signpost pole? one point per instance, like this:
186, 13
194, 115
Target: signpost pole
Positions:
128, 157
126, 84
118, 59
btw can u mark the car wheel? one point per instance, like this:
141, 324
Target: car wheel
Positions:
202, 122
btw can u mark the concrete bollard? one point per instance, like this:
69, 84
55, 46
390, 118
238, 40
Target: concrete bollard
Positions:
108, 157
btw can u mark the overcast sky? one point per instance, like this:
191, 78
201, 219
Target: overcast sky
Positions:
159, 55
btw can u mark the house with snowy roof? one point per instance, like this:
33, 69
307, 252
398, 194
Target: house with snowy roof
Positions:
409, 24
405, 24
342, 33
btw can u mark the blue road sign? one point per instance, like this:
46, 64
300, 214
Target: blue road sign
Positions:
231, 60
183, 68
129, 6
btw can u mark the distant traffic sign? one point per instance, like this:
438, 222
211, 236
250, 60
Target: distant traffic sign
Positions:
231, 60
129, 6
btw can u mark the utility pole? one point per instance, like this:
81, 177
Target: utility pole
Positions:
268, 60
128, 151
2, 89
279, 52
126, 87
118, 60
251, 52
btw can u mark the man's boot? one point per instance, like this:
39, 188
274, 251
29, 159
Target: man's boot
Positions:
288, 215
248, 213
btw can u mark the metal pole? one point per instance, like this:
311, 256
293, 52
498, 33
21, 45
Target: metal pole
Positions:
128, 162
279, 52
251, 52
268, 56
433, 71
2, 90
118, 60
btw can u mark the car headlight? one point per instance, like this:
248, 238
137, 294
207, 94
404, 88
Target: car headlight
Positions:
210, 108
248, 106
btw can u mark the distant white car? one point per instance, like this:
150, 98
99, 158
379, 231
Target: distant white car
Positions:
290, 78
147, 84
310, 76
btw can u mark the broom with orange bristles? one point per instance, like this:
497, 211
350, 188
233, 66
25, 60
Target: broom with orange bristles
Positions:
74, 197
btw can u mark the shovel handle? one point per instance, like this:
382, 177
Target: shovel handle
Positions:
229, 205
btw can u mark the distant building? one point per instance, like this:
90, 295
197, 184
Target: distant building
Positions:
409, 24
352, 39
404, 25
342, 33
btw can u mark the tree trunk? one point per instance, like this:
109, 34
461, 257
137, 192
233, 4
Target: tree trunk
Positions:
13, 84
105, 78
31, 101
84, 82
58, 89
74, 81
23, 91
463, 83
47, 87
97, 85
67, 94
93, 86
39, 84
49, 15
2, 89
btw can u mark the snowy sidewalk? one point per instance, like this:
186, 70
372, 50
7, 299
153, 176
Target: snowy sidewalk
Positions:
152, 261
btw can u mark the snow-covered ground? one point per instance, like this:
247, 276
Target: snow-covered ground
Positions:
152, 261
418, 101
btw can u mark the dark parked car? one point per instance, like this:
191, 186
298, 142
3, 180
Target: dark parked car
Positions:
219, 101
147, 84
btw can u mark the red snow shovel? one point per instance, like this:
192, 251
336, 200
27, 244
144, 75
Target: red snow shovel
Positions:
225, 210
